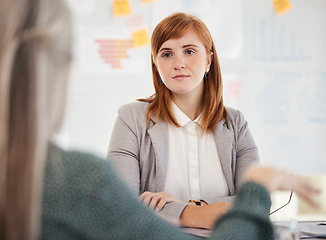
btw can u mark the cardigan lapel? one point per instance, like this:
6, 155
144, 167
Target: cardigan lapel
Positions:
160, 139
224, 143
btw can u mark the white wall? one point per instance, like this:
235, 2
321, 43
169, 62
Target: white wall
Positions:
273, 67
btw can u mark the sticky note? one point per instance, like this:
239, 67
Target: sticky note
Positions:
140, 38
319, 181
282, 6
121, 7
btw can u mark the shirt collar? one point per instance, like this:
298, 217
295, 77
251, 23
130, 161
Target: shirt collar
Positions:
181, 118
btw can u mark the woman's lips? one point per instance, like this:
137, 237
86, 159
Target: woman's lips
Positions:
180, 77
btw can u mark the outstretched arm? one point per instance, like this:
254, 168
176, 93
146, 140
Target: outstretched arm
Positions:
275, 179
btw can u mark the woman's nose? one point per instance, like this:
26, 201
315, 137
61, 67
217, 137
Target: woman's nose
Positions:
179, 62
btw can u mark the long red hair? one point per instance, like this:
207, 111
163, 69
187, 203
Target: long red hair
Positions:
175, 26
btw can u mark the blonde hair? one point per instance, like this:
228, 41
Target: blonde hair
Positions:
175, 26
35, 54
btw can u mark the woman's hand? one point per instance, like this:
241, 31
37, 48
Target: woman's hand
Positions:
275, 179
203, 216
157, 200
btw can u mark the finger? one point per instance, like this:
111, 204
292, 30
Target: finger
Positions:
143, 195
160, 199
310, 199
161, 204
147, 198
308, 192
154, 200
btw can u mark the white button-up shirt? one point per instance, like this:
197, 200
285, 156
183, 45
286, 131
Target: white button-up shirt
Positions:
194, 168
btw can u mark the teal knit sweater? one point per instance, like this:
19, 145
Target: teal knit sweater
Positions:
84, 199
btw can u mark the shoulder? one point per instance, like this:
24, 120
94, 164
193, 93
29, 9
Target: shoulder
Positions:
78, 187
134, 110
69, 166
134, 115
233, 114
136, 107
235, 118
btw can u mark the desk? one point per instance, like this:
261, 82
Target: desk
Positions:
314, 230
305, 229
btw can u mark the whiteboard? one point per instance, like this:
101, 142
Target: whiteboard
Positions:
273, 69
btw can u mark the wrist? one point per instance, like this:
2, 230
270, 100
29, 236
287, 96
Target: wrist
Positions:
190, 216
197, 202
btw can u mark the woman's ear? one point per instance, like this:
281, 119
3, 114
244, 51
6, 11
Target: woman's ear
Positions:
209, 60
154, 64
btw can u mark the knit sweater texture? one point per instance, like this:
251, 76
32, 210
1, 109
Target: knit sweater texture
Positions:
83, 198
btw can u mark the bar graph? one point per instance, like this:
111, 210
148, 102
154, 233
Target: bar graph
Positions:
112, 51
273, 41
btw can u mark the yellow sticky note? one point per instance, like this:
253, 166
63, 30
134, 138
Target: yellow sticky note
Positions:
140, 38
282, 6
319, 181
121, 7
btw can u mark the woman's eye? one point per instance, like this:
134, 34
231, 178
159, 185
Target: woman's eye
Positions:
189, 52
165, 55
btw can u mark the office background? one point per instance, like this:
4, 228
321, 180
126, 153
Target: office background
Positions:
273, 68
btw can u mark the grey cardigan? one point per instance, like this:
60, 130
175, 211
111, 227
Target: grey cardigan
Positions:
139, 152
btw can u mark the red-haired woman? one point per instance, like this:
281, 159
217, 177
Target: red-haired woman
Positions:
181, 149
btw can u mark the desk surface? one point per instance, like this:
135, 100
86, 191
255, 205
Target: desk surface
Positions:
314, 230
306, 229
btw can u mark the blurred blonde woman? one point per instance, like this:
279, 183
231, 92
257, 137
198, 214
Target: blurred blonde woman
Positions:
35, 54
49, 193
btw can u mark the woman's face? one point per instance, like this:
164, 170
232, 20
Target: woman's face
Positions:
182, 63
